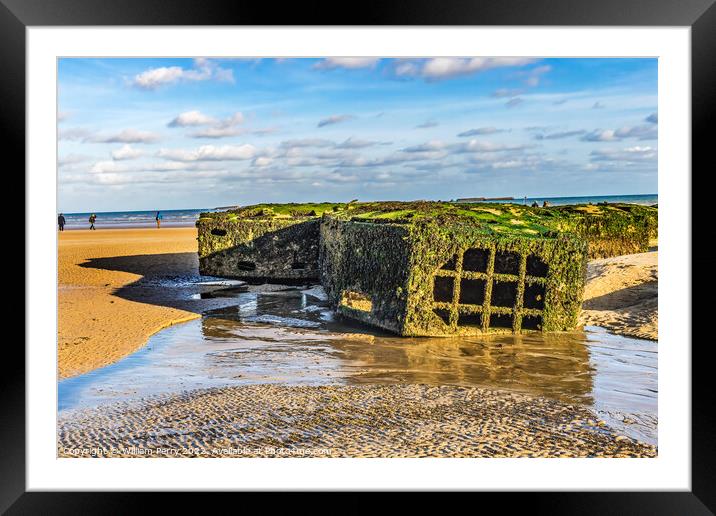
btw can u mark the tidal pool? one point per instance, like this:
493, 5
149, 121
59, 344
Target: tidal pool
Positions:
289, 336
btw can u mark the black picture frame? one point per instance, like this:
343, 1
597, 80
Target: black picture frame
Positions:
700, 15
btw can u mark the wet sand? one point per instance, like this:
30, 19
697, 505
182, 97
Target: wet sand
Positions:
112, 294
118, 287
343, 421
621, 295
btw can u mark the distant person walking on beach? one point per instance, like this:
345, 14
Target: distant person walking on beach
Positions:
61, 221
158, 218
92, 218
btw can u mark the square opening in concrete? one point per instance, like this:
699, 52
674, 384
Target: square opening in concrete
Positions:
536, 267
450, 264
443, 289
532, 322
246, 266
472, 291
470, 320
501, 321
296, 264
443, 314
507, 263
534, 296
504, 293
475, 260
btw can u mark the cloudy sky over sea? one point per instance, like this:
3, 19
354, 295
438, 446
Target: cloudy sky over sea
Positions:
183, 133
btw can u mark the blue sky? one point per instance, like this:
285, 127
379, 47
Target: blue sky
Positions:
198, 133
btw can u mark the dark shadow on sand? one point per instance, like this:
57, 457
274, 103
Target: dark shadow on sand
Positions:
623, 298
168, 280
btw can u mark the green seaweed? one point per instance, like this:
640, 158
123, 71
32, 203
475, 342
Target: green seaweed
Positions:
393, 251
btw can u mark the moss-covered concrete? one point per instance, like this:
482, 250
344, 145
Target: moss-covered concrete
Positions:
451, 277
260, 248
429, 268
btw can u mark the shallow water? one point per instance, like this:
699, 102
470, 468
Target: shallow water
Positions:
290, 337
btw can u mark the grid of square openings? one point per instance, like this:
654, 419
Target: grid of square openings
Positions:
488, 288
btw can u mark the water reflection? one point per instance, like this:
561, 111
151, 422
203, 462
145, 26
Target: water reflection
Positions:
286, 336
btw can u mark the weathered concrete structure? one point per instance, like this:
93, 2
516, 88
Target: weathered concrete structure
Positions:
435, 275
429, 268
263, 243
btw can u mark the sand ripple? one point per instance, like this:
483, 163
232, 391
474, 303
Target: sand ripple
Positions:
343, 421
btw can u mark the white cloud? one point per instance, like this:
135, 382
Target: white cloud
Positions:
652, 119
103, 167
131, 170
203, 70
355, 143
406, 68
211, 153
71, 159
427, 124
211, 127
155, 77
331, 63
600, 135
432, 145
630, 154
470, 146
191, 119
73, 134
126, 152
559, 135
514, 102
262, 161
534, 76
516, 160
125, 136
334, 119
640, 132
480, 131
217, 132
506, 93
482, 146
307, 142
449, 67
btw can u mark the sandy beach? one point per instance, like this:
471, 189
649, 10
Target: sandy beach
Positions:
111, 296
621, 295
343, 421
118, 287
112, 293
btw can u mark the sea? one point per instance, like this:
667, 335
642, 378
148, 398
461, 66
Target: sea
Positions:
188, 217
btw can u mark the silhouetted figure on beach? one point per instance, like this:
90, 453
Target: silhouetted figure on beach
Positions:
545, 204
61, 221
92, 218
535, 205
158, 218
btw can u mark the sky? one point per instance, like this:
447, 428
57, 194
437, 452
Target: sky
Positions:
146, 134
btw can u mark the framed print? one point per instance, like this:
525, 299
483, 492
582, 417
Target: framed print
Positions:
406, 251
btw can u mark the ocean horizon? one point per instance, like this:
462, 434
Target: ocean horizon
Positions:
188, 217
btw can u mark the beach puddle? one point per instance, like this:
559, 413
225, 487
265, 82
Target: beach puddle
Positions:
287, 335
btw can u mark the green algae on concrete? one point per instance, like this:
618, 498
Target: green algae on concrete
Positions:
429, 268
265, 242
430, 272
